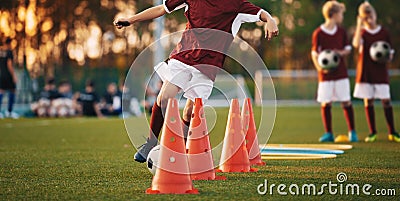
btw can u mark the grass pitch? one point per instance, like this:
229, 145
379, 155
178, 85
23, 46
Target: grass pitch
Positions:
91, 159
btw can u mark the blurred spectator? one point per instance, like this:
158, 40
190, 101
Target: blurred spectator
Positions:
42, 107
63, 106
130, 104
50, 90
112, 101
65, 89
89, 101
8, 78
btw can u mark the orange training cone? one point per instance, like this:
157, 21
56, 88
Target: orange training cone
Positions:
201, 164
249, 127
234, 157
172, 176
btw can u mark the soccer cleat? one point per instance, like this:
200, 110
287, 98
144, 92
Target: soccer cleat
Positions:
371, 137
327, 137
394, 137
353, 136
144, 149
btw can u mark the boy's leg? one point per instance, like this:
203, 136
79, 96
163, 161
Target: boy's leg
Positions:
1, 98
1, 102
11, 100
326, 115
168, 90
349, 115
187, 114
388, 110
370, 114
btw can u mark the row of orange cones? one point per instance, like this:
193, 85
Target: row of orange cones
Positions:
180, 164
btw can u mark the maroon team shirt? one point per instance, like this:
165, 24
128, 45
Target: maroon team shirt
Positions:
201, 47
369, 71
322, 40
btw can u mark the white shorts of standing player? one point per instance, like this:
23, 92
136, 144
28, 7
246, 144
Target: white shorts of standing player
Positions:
372, 91
333, 90
191, 81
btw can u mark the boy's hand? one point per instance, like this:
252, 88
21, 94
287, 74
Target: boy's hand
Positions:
271, 29
360, 21
122, 22
342, 53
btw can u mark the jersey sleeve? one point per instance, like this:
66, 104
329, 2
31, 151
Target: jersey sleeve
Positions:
246, 12
314, 43
173, 5
246, 7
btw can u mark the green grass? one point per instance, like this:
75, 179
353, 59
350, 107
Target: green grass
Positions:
91, 159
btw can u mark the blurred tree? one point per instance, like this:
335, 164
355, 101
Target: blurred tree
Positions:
60, 34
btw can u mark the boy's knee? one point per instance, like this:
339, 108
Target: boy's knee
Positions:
162, 100
368, 102
386, 103
187, 113
325, 104
346, 104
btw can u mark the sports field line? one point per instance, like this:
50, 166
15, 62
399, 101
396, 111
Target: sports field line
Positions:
315, 146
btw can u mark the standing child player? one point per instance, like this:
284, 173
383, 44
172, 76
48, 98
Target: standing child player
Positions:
372, 79
188, 67
333, 85
8, 78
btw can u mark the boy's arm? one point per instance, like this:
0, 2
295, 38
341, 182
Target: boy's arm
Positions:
245, 7
314, 51
271, 29
357, 35
147, 14
11, 69
314, 58
346, 51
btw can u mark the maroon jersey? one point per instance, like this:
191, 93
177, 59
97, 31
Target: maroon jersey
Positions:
201, 47
336, 39
369, 71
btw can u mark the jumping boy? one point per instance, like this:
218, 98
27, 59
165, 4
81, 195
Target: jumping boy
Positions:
190, 67
333, 85
372, 78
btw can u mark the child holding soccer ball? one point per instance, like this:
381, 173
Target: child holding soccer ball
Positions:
372, 79
333, 85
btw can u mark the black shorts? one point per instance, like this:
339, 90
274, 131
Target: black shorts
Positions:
7, 84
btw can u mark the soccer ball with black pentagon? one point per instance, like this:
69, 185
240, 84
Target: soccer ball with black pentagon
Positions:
152, 159
380, 51
328, 60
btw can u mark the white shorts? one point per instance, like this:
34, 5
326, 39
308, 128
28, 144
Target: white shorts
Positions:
193, 83
372, 91
335, 90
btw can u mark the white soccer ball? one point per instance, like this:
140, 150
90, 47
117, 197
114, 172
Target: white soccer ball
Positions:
328, 59
380, 51
152, 159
